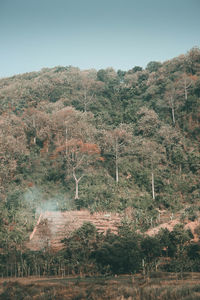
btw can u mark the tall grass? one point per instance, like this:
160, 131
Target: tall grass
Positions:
116, 288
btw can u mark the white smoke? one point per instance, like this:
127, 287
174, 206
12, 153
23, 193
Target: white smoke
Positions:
40, 201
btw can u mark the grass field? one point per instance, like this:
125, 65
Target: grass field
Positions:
166, 286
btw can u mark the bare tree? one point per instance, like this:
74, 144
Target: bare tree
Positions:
77, 143
185, 82
172, 97
118, 142
152, 155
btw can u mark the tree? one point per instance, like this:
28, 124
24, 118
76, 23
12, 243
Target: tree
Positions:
120, 254
151, 152
153, 66
38, 126
185, 82
152, 155
118, 142
151, 249
80, 155
136, 69
108, 76
173, 142
193, 60
171, 95
80, 246
148, 122
89, 86
76, 143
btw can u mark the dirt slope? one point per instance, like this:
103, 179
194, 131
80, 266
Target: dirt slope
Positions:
53, 226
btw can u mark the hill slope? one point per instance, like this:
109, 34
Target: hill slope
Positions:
102, 140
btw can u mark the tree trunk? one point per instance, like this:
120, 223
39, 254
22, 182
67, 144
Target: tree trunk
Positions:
173, 115
171, 101
116, 163
77, 182
185, 87
152, 182
85, 100
117, 171
186, 96
76, 194
34, 126
66, 141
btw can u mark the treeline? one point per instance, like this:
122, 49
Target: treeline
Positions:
89, 253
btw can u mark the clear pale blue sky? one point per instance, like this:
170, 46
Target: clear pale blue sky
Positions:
94, 33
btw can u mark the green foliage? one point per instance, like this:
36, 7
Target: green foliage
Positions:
143, 125
151, 248
86, 251
175, 242
153, 66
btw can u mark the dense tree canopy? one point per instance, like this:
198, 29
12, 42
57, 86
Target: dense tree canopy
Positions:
102, 140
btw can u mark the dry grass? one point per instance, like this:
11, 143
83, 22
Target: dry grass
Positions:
163, 286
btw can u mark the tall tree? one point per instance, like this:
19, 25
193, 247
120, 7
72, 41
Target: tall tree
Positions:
78, 144
171, 96
118, 143
185, 82
80, 155
151, 155
89, 86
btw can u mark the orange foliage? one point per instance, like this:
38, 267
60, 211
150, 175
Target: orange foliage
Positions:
193, 77
45, 148
79, 145
101, 158
76, 145
60, 148
90, 148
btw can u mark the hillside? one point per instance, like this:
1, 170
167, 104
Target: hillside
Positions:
53, 226
106, 141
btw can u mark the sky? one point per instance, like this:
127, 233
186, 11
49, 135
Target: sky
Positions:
36, 34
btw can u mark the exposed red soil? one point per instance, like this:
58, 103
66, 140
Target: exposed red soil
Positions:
53, 226
170, 226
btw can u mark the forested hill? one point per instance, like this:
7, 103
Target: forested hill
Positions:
102, 140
